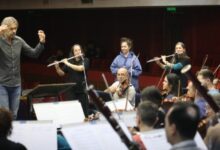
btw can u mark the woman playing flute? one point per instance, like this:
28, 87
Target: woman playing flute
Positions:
76, 69
179, 60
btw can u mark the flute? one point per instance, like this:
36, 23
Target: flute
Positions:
54, 63
155, 59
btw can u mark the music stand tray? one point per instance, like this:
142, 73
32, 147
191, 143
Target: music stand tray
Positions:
46, 90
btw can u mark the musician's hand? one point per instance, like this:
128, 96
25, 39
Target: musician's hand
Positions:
163, 57
215, 81
56, 65
157, 60
41, 36
3, 28
119, 92
65, 61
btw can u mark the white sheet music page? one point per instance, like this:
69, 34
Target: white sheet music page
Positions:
156, 139
96, 136
120, 104
35, 135
127, 117
60, 113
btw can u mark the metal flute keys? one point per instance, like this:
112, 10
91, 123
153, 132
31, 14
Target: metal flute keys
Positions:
54, 63
155, 59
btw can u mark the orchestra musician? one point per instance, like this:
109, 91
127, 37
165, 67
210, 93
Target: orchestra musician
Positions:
129, 60
170, 90
122, 88
181, 124
170, 86
152, 94
179, 60
206, 77
76, 68
6, 130
146, 119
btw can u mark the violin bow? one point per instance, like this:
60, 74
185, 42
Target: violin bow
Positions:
204, 61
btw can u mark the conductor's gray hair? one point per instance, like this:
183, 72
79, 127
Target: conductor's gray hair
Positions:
9, 20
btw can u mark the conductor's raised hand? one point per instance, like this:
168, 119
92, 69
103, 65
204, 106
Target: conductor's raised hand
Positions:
42, 36
3, 28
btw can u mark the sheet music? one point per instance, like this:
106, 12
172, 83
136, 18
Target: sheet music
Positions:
120, 104
35, 135
159, 137
127, 117
93, 136
64, 112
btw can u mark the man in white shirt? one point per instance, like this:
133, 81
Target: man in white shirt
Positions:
122, 88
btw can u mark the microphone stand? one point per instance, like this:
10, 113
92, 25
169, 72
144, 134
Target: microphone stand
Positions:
84, 71
85, 78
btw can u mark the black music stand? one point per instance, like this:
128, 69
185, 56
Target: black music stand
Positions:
46, 90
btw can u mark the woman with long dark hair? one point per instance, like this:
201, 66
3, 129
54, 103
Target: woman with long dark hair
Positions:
179, 60
76, 70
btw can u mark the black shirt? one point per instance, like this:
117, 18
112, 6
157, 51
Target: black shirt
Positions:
77, 76
6, 144
10, 59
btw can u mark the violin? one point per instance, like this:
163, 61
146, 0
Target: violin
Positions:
122, 88
201, 89
110, 118
215, 108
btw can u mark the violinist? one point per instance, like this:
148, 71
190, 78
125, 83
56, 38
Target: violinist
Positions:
76, 68
170, 85
206, 78
206, 125
216, 80
190, 94
179, 60
193, 95
171, 88
122, 88
129, 60
146, 118
153, 94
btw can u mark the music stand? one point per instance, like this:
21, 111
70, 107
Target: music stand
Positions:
46, 90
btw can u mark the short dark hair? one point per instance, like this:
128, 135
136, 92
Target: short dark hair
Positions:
5, 122
127, 40
206, 73
173, 81
185, 116
148, 113
152, 94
